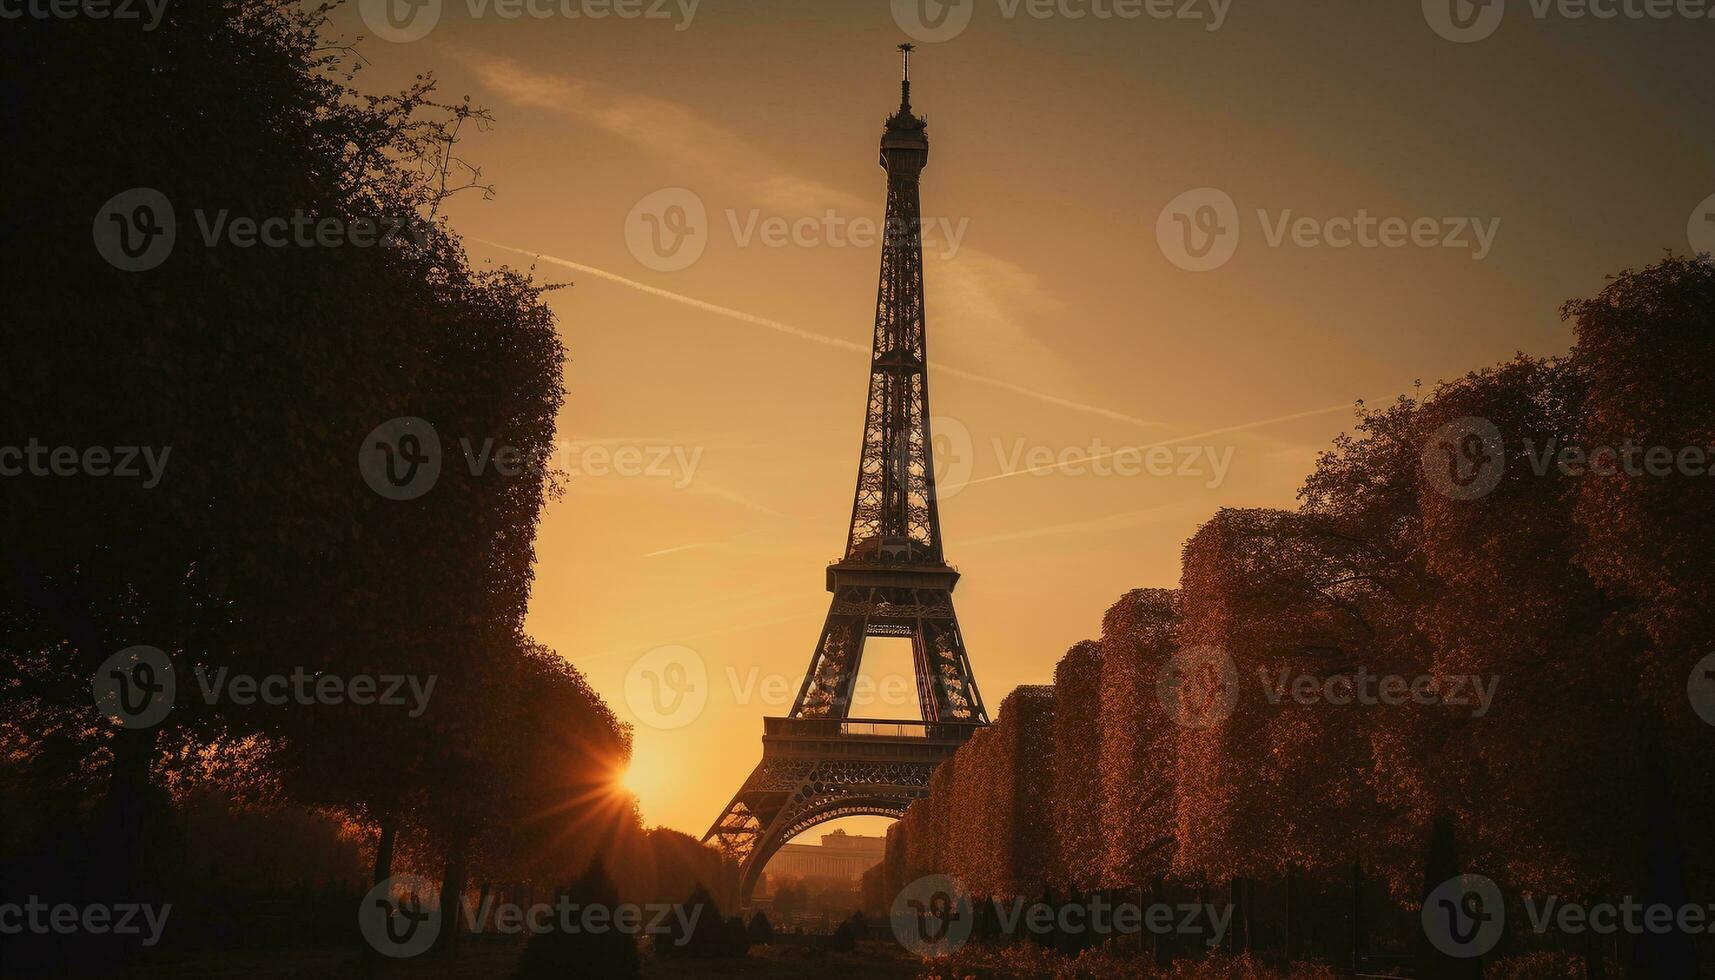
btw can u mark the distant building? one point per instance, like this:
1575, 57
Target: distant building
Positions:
839, 855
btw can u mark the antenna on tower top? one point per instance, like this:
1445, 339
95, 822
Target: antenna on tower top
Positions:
905, 81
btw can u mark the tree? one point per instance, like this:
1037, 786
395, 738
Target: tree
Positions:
708, 937
1002, 842
577, 951
1077, 784
1140, 633
258, 549
1646, 349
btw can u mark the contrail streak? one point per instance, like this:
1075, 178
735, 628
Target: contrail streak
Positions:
675, 549
813, 337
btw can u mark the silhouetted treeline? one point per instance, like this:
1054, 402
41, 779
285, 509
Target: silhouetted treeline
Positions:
1586, 597
255, 373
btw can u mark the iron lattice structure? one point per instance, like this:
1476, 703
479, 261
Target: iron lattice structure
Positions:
819, 763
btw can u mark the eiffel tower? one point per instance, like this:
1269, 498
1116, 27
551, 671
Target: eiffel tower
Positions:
819, 763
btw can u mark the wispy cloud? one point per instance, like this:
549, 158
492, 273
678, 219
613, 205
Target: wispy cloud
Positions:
824, 339
668, 129
982, 305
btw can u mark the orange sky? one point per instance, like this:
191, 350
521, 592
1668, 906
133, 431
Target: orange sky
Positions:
1058, 326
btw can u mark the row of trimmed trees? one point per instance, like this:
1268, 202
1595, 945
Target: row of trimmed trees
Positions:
1588, 599
261, 550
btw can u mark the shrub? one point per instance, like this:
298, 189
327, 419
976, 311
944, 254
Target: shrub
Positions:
1536, 966
557, 953
761, 931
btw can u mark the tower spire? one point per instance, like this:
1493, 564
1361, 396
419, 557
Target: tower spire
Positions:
905, 81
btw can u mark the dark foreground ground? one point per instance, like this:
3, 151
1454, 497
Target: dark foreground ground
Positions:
494, 961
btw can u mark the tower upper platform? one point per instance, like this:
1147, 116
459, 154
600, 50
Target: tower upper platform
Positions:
905, 138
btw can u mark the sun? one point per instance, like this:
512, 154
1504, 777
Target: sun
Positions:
633, 781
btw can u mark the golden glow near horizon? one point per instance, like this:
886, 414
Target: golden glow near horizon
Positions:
715, 399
